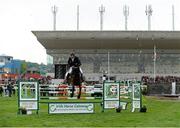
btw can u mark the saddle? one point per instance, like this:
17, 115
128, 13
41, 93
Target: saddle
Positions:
76, 70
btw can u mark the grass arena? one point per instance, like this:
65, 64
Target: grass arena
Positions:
160, 112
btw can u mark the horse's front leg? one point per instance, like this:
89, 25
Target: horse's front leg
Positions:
79, 95
72, 93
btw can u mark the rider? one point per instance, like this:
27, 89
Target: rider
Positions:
73, 62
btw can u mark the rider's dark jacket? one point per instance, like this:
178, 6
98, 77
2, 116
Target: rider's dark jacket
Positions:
74, 62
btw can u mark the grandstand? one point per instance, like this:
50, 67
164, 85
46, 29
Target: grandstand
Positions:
131, 53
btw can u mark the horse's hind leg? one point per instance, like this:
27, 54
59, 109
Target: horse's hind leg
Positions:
79, 95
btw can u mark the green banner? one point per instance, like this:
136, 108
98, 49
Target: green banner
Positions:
136, 96
111, 95
28, 95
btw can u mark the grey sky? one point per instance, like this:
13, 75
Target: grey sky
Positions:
19, 17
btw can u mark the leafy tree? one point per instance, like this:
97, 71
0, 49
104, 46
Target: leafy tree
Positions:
23, 67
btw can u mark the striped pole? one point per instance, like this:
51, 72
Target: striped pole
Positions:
70, 98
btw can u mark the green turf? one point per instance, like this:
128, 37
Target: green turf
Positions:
161, 113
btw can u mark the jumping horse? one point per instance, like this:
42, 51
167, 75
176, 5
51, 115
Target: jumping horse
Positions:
75, 79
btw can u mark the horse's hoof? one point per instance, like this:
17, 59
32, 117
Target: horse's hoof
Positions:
78, 97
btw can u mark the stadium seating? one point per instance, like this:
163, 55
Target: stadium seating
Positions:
126, 63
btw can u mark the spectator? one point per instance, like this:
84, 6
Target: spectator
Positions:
9, 88
1, 90
160, 79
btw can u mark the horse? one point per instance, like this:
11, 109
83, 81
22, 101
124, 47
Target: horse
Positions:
75, 79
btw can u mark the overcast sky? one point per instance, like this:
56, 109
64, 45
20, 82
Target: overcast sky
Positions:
19, 17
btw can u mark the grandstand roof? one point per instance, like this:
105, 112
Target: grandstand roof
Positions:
53, 40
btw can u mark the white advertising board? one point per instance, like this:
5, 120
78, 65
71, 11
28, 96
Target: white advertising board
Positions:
29, 105
111, 104
56, 108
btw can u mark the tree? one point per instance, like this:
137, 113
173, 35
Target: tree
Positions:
23, 67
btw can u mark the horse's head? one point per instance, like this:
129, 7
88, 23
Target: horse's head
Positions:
75, 77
